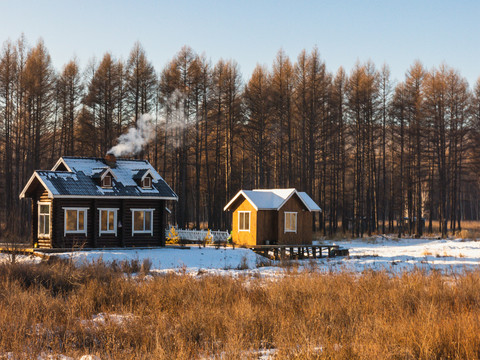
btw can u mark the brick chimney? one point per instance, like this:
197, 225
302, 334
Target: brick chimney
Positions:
111, 160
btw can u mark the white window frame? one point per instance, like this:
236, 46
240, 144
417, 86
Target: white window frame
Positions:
285, 221
39, 203
143, 182
85, 220
108, 210
151, 221
103, 181
249, 220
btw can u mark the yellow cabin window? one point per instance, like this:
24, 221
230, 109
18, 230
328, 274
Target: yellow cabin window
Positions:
244, 220
290, 222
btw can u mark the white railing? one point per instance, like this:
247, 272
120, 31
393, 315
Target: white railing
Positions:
200, 235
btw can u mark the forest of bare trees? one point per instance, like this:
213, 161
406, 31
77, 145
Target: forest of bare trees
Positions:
375, 154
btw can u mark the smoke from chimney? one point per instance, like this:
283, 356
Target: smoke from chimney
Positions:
134, 140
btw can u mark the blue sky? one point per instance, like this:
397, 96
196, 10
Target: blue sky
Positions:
251, 32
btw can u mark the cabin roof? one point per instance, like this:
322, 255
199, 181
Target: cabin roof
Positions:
273, 199
81, 179
308, 201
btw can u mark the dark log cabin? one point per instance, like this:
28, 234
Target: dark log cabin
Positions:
96, 202
272, 216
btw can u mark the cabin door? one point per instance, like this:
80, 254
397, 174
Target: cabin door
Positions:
44, 224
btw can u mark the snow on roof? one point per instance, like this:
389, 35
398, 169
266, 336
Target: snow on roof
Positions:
263, 200
79, 180
124, 171
273, 199
307, 200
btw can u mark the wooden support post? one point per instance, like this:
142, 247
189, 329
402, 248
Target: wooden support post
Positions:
161, 230
123, 222
94, 224
291, 253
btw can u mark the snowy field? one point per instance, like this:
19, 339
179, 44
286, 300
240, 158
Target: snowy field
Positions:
398, 255
378, 253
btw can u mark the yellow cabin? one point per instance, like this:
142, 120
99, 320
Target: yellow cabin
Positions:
272, 216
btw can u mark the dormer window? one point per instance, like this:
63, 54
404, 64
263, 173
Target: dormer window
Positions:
144, 178
147, 182
107, 181
104, 177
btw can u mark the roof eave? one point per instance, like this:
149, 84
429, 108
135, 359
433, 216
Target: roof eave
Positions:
146, 173
108, 171
115, 197
241, 192
61, 161
301, 199
288, 198
29, 183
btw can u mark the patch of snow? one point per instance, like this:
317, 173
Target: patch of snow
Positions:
266, 354
103, 319
7, 258
65, 176
45, 356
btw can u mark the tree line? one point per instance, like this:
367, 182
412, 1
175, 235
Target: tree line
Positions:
376, 155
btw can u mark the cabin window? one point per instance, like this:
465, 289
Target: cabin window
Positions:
43, 218
107, 221
147, 182
75, 221
244, 221
107, 181
142, 221
290, 222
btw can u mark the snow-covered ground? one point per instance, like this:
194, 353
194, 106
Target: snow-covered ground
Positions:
189, 259
378, 253
397, 255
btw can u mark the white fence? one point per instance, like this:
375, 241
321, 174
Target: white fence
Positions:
200, 235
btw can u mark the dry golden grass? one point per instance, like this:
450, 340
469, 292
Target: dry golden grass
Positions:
303, 316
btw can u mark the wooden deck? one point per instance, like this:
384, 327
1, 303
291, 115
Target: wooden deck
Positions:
278, 252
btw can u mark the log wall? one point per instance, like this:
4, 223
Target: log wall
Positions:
93, 238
